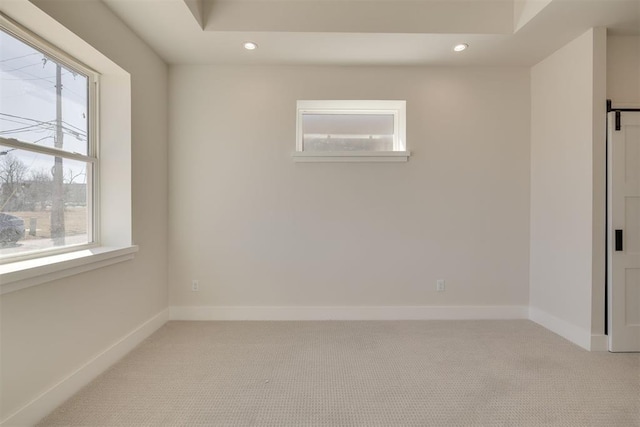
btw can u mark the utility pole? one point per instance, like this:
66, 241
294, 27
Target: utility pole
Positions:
57, 204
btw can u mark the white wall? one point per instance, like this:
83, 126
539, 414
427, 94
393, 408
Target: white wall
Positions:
567, 189
257, 229
52, 330
623, 70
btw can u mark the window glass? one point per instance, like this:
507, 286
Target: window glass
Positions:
348, 132
42, 101
351, 131
28, 197
46, 156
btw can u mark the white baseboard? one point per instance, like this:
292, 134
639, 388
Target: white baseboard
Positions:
46, 402
348, 312
573, 333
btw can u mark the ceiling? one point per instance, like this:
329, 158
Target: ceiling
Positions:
369, 32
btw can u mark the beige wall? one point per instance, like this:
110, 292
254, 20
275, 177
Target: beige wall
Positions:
567, 187
623, 70
49, 331
257, 229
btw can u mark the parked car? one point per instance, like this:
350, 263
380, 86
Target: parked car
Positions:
11, 229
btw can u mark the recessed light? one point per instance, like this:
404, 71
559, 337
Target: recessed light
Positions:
460, 47
250, 45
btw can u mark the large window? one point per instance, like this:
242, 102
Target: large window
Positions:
351, 131
48, 151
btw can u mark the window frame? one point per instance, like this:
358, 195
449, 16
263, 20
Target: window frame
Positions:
113, 197
397, 108
92, 158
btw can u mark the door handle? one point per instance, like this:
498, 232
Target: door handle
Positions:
618, 240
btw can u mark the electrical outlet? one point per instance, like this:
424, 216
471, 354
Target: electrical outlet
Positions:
440, 285
195, 286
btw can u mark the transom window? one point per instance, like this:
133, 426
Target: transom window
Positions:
351, 131
48, 152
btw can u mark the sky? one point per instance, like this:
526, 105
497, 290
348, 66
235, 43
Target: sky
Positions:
28, 106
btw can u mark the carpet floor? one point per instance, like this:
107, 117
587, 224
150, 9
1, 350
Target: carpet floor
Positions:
359, 373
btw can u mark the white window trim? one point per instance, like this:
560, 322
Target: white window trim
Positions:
90, 158
36, 271
351, 156
113, 222
396, 108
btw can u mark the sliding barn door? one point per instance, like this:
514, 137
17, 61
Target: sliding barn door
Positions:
624, 231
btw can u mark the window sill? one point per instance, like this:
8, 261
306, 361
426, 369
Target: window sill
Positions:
23, 274
351, 156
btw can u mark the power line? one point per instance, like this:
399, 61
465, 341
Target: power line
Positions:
75, 135
36, 78
18, 57
20, 68
33, 79
28, 127
23, 129
13, 121
42, 139
41, 128
38, 130
73, 131
77, 132
26, 118
73, 126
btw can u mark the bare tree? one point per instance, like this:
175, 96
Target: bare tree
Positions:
71, 176
39, 190
12, 174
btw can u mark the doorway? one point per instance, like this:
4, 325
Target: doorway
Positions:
623, 230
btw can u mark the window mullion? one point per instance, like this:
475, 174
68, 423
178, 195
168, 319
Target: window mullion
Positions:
28, 146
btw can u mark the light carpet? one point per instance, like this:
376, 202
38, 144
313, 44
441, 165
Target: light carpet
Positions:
359, 373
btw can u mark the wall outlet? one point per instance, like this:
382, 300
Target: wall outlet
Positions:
195, 286
440, 285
